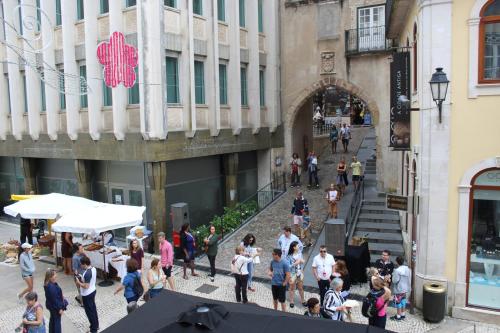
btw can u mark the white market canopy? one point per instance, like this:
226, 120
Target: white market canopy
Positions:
99, 219
49, 206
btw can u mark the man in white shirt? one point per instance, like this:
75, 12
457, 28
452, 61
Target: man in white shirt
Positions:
323, 265
86, 281
286, 239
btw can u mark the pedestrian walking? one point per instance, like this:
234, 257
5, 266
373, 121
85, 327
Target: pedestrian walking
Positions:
299, 207
340, 271
381, 296
86, 282
77, 268
332, 196
211, 248
385, 267
286, 239
334, 138
279, 272
322, 267
401, 287
312, 168
27, 269
54, 300
67, 252
166, 258
313, 308
33, 321
239, 269
356, 169
296, 261
342, 176
305, 231
188, 247
137, 253
156, 278
26, 231
334, 302
295, 170
132, 282
345, 133
248, 244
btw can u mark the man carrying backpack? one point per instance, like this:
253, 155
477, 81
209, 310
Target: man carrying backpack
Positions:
132, 282
401, 286
375, 303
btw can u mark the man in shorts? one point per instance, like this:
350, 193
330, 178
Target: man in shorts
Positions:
279, 272
345, 133
299, 206
356, 172
166, 258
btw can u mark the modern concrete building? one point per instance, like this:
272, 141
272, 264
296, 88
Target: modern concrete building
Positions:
199, 125
453, 167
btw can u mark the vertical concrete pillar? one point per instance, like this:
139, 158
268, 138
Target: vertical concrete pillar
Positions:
263, 167
29, 167
157, 178
231, 177
83, 177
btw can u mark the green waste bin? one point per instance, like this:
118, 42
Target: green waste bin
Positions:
434, 302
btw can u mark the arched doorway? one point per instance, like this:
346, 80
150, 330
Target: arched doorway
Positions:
483, 254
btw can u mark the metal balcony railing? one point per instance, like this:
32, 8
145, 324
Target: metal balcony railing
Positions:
366, 40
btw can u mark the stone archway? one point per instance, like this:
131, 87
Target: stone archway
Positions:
302, 98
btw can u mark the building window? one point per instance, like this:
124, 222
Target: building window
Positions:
130, 3
8, 92
25, 95
133, 93
58, 12
415, 55
20, 16
199, 82
104, 6
44, 99
107, 95
62, 96
171, 3
172, 80
221, 10
484, 240
198, 7
244, 92
489, 43
80, 14
242, 13
261, 16
83, 98
223, 84
262, 88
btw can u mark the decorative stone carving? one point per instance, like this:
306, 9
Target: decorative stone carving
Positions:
327, 62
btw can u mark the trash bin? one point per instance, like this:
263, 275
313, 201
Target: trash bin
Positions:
434, 302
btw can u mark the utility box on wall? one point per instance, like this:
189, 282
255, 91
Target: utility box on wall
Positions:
179, 213
335, 237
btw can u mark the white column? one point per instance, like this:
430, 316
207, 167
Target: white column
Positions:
153, 96
213, 92
234, 74
51, 93
15, 80
33, 87
271, 22
68, 15
94, 71
463, 239
253, 65
120, 92
192, 91
4, 97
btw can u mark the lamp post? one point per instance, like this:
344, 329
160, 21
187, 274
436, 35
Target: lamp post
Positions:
439, 87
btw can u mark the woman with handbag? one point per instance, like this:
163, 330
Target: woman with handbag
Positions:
210, 247
54, 300
33, 321
248, 244
156, 278
239, 269
295, 261
188, 246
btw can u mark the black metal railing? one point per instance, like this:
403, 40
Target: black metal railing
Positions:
354, 208
363, 40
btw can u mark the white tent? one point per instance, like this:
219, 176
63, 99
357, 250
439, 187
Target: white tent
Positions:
99, 219
49, 206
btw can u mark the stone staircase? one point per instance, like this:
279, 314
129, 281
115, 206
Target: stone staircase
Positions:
381, 227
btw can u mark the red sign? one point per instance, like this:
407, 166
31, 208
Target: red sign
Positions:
119, 60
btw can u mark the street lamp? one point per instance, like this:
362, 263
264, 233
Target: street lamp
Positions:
439, 87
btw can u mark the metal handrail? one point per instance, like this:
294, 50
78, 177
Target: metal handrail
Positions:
354, 208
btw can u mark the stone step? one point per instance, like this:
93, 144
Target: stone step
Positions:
386, 218
374, 201
378, 227
376, 209
381, 237
395, 249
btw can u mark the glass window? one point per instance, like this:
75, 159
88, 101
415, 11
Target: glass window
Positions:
79, 10
107, 95
223, 84
199, 82
170, 3
25, 95
104, 6
83, 98
261, 16
131, 3
20, 16
62, 96
43, 97
172, 80
242, 13
484, 277
493, 9
244, 92
8, 92
198, 7
133, 93
489, 58
221, 10
262, 87
58, 12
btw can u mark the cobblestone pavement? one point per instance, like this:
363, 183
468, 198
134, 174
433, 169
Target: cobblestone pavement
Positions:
268, 225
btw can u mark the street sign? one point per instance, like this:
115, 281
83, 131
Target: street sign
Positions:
397, 202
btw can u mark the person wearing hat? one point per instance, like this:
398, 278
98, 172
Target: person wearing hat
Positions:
27, 269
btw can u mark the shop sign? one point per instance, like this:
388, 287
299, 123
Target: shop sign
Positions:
397, 202
400, 126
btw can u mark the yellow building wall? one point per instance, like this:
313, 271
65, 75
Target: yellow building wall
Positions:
475, 133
